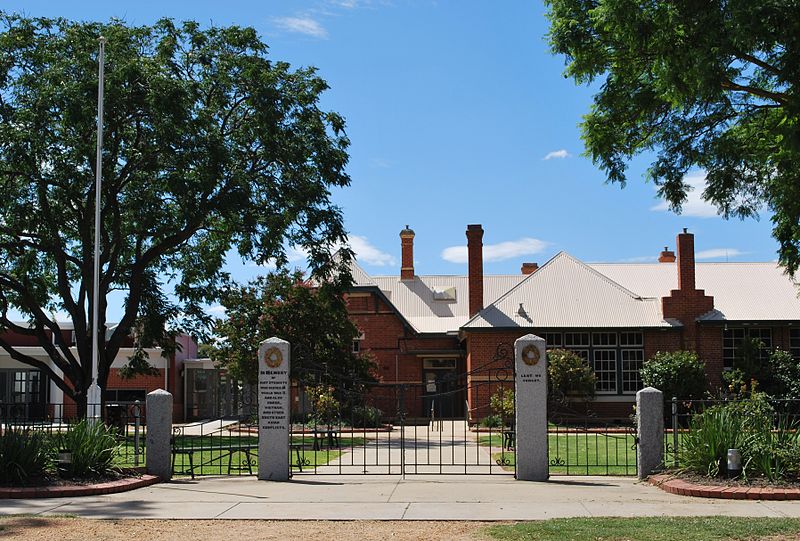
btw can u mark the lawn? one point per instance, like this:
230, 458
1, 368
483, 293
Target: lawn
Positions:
580, 453
235, 449
646, 529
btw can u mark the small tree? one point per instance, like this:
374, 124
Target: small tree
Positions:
569, 375
676, 373
503, 404
311, 317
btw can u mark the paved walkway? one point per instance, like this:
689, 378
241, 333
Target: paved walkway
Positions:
448, 449
383, 497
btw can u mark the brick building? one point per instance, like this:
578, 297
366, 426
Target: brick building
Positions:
24, 386
447, 334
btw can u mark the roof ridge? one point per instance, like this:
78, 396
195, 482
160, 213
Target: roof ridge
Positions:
602, 276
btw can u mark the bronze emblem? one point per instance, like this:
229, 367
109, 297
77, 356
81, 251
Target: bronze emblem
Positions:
530, 355
273, 357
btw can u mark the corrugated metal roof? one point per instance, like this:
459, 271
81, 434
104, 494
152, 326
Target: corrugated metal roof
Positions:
741, 291
565, 292
414, 299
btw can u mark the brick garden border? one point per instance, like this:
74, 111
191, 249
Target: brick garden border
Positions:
674, 485
68, 491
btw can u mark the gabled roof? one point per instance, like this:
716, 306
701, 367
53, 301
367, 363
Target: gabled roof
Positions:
567, 293
415, 299
741, 291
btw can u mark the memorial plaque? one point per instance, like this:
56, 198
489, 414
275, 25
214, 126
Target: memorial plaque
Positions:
531, 408
273, 410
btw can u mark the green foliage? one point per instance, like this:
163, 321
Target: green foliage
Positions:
676, 373
768, 442
708, 85
25, 455
325, 408
366, 417
92, 445
211, 146
492, 421
313, 319
785, 375
705, 447
503, 404
568, 375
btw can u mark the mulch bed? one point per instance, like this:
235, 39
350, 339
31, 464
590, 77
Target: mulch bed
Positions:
705, 487
61, 488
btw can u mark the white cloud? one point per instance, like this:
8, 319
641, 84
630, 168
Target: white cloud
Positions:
216, 309
369, 254
560, 154
694, 205
717, 253
302, 25
497, 252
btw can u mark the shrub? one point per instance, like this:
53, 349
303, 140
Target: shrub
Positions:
770, 449
676, 373
492, 421
325, 406
93, 447
366, 417
785, 373
503, 404
25, 456
569, 375
711, 433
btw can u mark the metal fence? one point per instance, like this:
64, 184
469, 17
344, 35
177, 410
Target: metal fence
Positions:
126, 419
581, 444
680, 413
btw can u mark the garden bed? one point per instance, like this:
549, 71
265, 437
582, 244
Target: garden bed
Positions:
702, 487
73, 488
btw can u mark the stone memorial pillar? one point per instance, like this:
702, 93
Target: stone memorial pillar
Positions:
273, 410
531, 408
650, 431
158, 444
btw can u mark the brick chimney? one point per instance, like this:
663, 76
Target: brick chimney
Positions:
687, 303
475, 265
407, 246
529, 268
666, 256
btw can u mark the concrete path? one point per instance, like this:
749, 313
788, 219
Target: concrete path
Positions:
449, 449
382, 497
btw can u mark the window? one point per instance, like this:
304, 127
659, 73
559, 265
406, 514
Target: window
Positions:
22, 386
357, 343
794, 343
576, 339
553, 340
605, 368
604, 339
631, 339
632, 360
733, 338
578, 342
616, 357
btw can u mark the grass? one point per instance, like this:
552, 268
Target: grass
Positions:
215, 462
646, 529
581, 453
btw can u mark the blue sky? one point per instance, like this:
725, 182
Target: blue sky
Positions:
458, 114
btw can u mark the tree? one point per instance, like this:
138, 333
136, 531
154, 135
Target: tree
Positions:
311, 317
210, 147
709, 85
679, 374
569, 375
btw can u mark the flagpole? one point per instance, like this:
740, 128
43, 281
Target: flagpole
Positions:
94, 396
